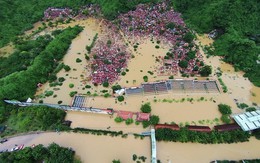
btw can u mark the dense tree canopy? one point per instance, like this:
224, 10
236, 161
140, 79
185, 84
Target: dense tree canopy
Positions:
146, 108
205, 70
36, 118
185, 135
52, 153
24, 55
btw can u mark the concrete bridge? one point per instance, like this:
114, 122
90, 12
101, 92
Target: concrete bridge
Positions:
153, 144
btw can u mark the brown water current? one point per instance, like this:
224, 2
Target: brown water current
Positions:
92, 149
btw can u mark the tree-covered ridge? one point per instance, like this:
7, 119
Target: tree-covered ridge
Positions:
16, 16
23, 57
238, 24
23, 84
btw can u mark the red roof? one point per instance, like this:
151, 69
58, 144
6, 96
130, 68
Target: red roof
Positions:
173, 127
199, 128
142, 116
125, 114
227, 127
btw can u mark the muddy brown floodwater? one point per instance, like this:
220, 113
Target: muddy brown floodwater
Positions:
93, 149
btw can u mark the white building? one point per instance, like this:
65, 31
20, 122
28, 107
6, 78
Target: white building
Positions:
249, 120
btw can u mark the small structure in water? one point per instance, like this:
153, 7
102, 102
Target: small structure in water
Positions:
142, 116
199, 128
125, 114
173, 126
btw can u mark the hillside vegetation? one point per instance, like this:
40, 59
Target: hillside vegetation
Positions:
238, 23
17, 16
21, 84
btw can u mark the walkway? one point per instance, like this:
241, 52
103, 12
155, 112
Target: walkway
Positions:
62, 107
153, 144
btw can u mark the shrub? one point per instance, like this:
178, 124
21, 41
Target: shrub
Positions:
257, 134
143, 158
150, 72
109, 42
145, 78
129, 121
120, 98
106, 95
116, 161
146, 108
104, 91
87, 86
116, 87
105, 84
52, 77
250, 109
145, 124
226, 119
205, 70
123, 73
78, 60
183, 64
188, 37
154, 119
118, 119
224, 87
134, 157
170, 25
61, 79
73, 93
171, 77
71, 85
224, 109
88, 48
242, 105
48, 93
59, 102
87, 57
66, 68
157, 46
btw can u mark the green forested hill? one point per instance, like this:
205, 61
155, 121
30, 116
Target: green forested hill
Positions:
240, 22
16, 16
